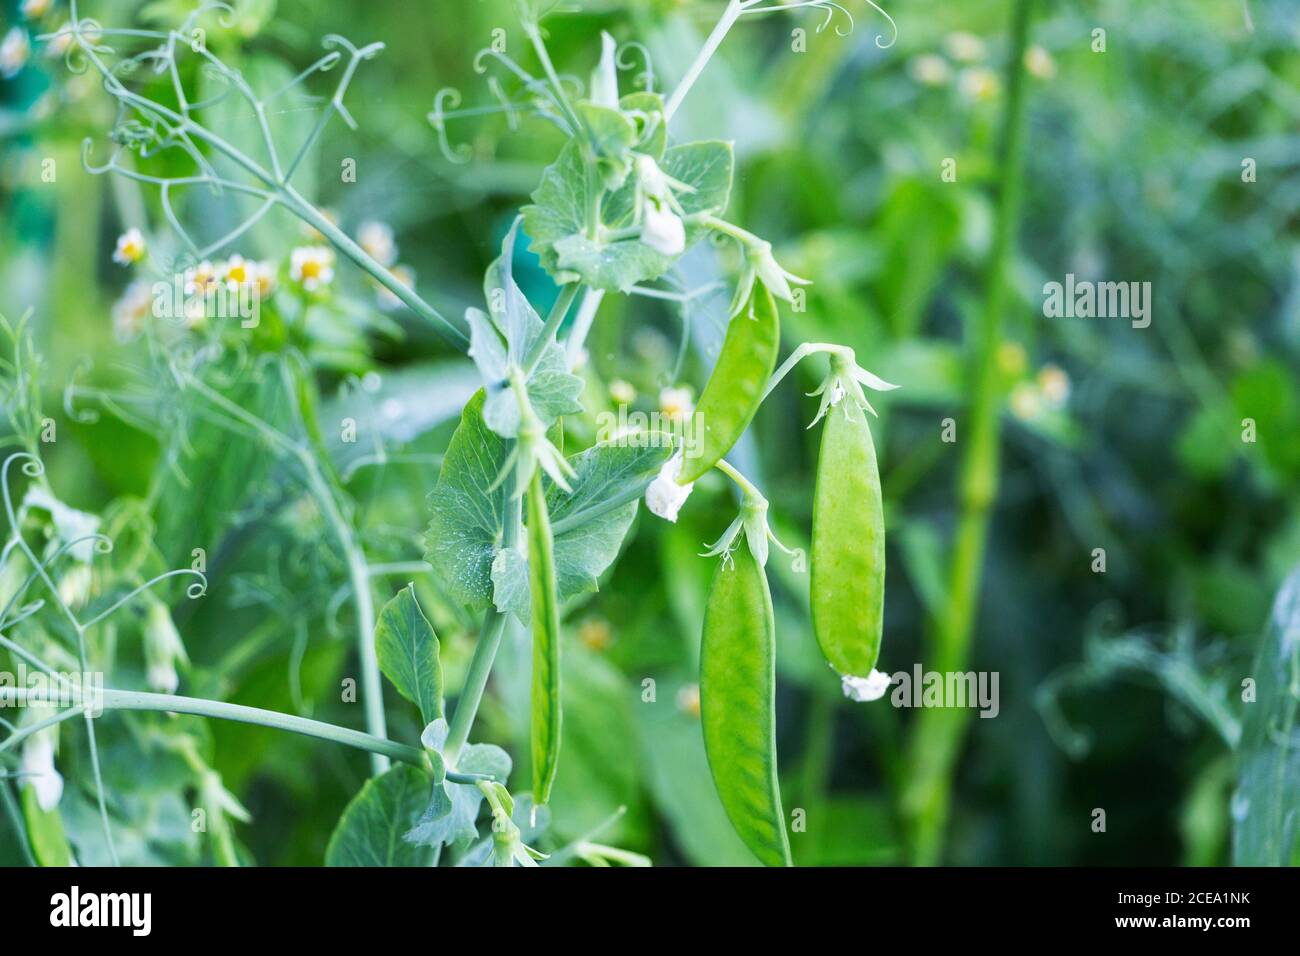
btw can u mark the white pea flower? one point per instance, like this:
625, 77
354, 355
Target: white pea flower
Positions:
662, 229
604, 79
376, 238
871, 687
15, 48
665, 496
162, 649
312, 266
130, 247
37, 768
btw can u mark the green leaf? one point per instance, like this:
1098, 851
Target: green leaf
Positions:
45, 832
505, 340
1266, 807
466, 529
408, 653
557, 219
370, 831
453, 808
547, 717
510, 584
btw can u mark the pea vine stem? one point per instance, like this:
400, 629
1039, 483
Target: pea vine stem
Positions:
937, 738
110, 699
719, 33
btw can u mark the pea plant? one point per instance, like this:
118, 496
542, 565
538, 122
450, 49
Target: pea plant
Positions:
519, 525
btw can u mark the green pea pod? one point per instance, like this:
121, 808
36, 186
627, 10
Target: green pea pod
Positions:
848, 544
735, 389
546, 717
738, 705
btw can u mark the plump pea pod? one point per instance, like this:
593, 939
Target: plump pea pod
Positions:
735, 388
738, 705
848, 544
546, 718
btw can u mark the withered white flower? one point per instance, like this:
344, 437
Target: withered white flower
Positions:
665, 497
871, 687
662, 229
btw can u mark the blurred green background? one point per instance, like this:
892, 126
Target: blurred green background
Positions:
1119, 690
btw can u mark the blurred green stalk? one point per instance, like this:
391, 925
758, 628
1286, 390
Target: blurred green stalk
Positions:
937, 739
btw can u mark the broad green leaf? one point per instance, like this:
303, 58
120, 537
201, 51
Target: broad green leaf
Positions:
370, 831
452, 808
612, 135
547, 717
466, 529
1266, 806
557, 219
45, 832
408, 653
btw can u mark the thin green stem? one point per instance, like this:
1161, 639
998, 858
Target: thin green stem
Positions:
936, 741
221, 710
553, 321
728, 19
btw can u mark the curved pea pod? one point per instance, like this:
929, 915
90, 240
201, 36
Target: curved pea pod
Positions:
735, 389
738, 705
848, 544
546, 714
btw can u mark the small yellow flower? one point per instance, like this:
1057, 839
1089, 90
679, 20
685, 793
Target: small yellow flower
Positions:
264, 276
595, 633
130, 247
676, 404
1039, 63
131, 310
930, 69
688, 700
376, 238
964, 47
622, 392
1026, 401
1011, 359
1054, 384
236, 271
980, 84
15, 48
312, 266
200, 279
388, 299
34, 9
